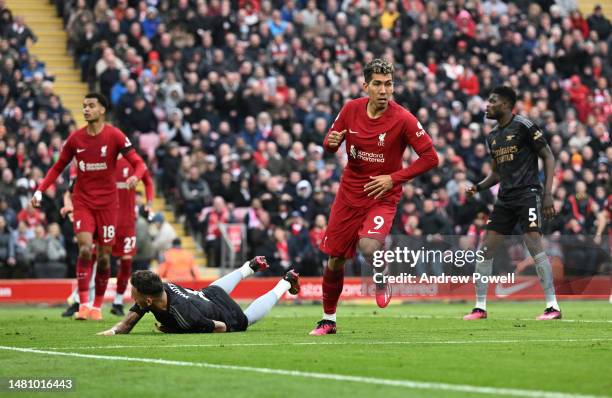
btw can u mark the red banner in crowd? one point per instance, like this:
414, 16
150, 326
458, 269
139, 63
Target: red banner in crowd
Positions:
54, 291
234, 233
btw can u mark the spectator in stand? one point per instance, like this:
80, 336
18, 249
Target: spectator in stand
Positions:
178, 264
211, 238
195, 194
145, 252
8, 261
163, 234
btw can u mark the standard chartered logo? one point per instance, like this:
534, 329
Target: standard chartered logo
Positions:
92, 166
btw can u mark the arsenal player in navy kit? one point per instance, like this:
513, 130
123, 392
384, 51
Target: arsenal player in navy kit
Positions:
515, 144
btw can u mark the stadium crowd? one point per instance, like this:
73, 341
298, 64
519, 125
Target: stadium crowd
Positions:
229, 103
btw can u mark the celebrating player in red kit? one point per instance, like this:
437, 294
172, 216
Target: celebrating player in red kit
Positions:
96, 148
376, 132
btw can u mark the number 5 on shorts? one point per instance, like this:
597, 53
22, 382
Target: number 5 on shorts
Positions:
532, 214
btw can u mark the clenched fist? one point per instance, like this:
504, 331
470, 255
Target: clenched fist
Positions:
335, 138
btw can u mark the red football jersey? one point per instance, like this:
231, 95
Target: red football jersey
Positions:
96, 159
376, 147
127, 197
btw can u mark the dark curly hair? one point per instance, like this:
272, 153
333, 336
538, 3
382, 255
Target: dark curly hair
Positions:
379, 66
147, 283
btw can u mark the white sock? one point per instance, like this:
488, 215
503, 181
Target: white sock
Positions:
118, 299
544, 270
246, 270
483, 268
330, 317
84, 305
74, 297
96, 308
281, 288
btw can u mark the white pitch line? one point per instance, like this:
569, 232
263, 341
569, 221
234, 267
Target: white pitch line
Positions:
321, 376
319, 342
457, 318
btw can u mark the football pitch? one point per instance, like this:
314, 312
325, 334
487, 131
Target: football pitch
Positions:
409, 350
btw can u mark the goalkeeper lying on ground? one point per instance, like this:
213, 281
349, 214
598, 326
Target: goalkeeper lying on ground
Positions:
180, 310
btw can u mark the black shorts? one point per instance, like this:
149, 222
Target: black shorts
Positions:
525, 210
235, 319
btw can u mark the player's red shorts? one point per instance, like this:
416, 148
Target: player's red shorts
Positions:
99, 222
349, 224
125, 243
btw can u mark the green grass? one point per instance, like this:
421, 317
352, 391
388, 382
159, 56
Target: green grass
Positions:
415, 342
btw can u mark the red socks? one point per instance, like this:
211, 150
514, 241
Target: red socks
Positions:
333, 282
123, 274
101, 283
83, 271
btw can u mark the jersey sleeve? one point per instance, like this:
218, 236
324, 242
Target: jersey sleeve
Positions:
123, 143
204, 325
338, 125
127, 150
415, 135
534, 136
419, 140
66, 155
135, 308
136, 162
149, 186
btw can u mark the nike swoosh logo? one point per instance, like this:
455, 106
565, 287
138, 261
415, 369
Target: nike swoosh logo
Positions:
80, 150
107, 240
370, 232
353, 132
502, 291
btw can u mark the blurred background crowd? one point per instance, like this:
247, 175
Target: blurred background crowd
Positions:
229, 103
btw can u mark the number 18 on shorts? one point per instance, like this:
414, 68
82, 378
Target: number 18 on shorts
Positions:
98, 222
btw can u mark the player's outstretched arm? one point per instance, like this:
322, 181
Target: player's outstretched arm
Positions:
205, 325
428, 159
64, 159
124, 326
548, 158
149, 188
489, 181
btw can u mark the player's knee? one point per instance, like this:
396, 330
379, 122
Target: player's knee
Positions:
368, 247
487, 253
336, 263
85, 252
533, 242
103, 262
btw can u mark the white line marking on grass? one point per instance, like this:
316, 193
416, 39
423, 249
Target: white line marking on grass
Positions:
322, 376
457, 318
319, 342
